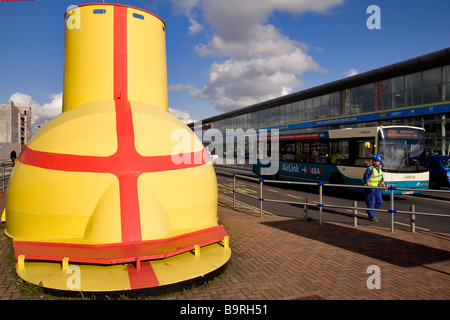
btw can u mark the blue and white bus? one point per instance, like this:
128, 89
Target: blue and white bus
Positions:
341, 156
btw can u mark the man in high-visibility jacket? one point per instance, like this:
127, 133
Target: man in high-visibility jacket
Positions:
374, 177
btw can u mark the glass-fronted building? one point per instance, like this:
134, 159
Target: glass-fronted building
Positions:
413, 92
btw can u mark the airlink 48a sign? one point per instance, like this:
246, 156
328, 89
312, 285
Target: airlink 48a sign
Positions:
307, 170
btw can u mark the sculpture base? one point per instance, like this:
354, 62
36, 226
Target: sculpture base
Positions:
128, 276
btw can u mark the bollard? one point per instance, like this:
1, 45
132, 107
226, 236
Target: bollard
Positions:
355, 213
413, 218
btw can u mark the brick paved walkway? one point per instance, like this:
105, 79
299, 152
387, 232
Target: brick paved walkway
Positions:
8, 290
286, 258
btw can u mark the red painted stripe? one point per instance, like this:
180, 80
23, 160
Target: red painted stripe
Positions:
142, 277
63, 162
120, 52
136, 164
126, 156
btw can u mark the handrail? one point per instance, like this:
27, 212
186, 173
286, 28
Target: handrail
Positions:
3, 177
322, 205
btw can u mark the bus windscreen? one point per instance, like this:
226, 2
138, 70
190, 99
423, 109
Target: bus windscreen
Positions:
403, 150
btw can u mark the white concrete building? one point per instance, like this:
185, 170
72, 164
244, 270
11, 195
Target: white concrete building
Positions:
15, 129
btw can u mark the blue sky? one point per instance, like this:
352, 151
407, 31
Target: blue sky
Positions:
227, 54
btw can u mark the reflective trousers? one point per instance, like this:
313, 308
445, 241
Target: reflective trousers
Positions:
374, 200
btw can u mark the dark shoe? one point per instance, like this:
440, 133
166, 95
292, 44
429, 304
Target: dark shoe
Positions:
373, 219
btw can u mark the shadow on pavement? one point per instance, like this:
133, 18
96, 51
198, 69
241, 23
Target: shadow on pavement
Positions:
394, 251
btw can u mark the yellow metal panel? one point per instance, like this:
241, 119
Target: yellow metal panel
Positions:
188, 266
76, 277
164, 134
155, 223
147, 74
88, 75
52, 205
195, 192
87, 130
104, 225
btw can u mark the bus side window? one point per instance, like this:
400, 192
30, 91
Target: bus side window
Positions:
339, 153
302, 152
288, 152
364, 152
319, 152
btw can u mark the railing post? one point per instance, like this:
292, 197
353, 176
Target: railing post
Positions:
392, 210
3, 177
413, 218
305, 209
234, 189
261, 199
320, 201
355, 213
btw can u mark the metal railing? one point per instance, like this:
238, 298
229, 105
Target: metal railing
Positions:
321, 205
4, 178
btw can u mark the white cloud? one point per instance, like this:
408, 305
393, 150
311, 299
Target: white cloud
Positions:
185, 7
232, 19
351, 72
184, 116
40, 114
255, 61
195, 27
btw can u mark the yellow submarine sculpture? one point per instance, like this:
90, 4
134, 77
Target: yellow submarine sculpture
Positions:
96, 201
